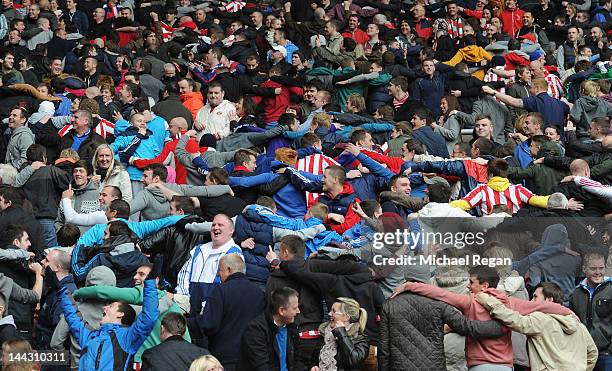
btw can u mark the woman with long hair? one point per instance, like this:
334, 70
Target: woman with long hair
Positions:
345, 345
246, 120
108, 172
448, 126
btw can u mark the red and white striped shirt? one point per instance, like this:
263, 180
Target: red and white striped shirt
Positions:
485, 197
555, 87
490, 77
601, 190
315, 164
104, 128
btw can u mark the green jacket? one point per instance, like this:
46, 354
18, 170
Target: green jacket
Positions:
543, 177
134, 295
343, 91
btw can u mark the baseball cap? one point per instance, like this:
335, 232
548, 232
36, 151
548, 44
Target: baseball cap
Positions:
435, 180
280, 48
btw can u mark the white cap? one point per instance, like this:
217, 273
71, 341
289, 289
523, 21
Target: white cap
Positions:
281, 49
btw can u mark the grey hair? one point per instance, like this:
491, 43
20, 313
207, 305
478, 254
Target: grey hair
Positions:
8, 174
380, 19
234, 262
557, 201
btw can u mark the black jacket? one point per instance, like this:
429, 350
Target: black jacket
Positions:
259, 349
229, 309
351, 351
408, 317
174, 353
470, 88
239, 51
334, 279
311, 301
174, 243
22, 276
224, 204
595, 312
171, 107
16, 215
88, 146
44, 190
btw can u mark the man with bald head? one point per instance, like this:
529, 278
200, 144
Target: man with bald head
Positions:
177, 128
594, 204
56, 262
231, 306
200, 273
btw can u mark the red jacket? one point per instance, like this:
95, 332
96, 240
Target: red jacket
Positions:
359, 35
512, 21
181, 171
275, 106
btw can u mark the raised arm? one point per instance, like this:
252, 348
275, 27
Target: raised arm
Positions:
140, 330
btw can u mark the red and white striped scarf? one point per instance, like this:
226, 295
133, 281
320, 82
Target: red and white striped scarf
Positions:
490, 76
315, 164
166, 31
397, 103
235, 6
455, 27
104, 128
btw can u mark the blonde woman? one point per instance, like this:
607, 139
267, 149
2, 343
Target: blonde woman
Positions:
11, 349
345, 345
108, 172
206, 363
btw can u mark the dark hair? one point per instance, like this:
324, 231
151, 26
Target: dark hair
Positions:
141, 105
369, 207
184, 203
85, 165
308, 140
485, 145
286, 119
486, 274
280, 298
219, 175
242, 156
358, 135
425, 114
175, 323
12, 232
129, 314
294, 245
266, 201
118, 228
439, 192
172, 88
13, 195
551, 290
248, 106
158, 170
415, 145
121, 207
400, 81
337, 171
146, 66
68, 235
133, 88
498, 167
36, 152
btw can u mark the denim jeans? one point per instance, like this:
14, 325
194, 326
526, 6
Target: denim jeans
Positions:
48, 228
604, 363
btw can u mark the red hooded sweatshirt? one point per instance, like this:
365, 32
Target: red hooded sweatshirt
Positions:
276, 105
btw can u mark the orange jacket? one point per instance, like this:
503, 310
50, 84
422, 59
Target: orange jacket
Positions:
193, 101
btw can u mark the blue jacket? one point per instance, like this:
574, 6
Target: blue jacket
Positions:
429, 91
291, 202
263, 215
368, 186
434, 142
522, 154
112, 346
95, 235
148, 148
257, 266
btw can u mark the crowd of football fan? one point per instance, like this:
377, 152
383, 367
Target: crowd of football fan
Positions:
269, 185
